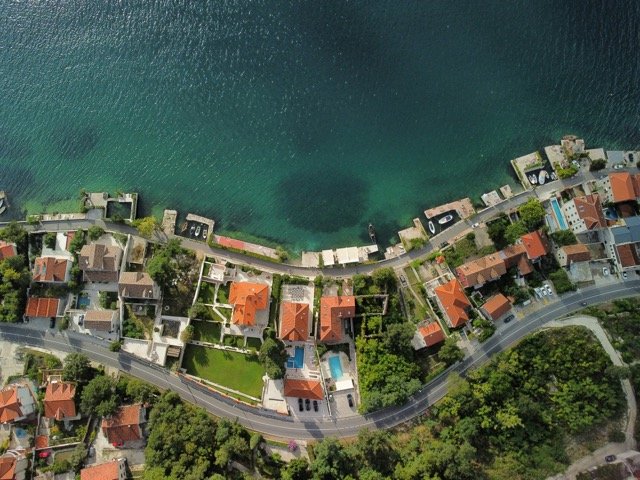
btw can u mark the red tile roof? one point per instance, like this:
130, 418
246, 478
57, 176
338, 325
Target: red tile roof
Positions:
124, 425
311, 389
624, 186
49, 269
482, 270
7, 467
432, 334
628, 255
9, 404
294, 326
42, 441
247, 298
42, 307
589, 209
535, 244
58, 400
497, 306
454, 302
516, 256
104, 471
576, 253
332, 311
7, 250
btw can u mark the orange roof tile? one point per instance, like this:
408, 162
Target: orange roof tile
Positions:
432, 334
497, 306
124, 425
104, 471
247, 298
7, 250
535, 244
58, 400
516, 256
49, 269
41, 441
7, 467
294, 326
42, 307
628, 255
482, 270
9, 404
576, 253
332, 311
454, 302
311, 389
589, 209
623, 186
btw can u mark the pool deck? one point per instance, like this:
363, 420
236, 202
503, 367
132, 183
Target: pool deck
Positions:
464, 208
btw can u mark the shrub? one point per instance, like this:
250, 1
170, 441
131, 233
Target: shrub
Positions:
50, 240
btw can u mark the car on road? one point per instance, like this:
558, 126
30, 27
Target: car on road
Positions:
403, 280
584, 304
475, 225
315, 405
300, 406
509, 318
307, 404
610, 458
52, 322
624, 275
350, 400
605, 271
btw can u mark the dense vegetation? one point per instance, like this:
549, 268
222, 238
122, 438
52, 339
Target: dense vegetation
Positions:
14, 275
511, 419
564, 237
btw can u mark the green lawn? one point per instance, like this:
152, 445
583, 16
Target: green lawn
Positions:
206, 293
207, 331
230, 369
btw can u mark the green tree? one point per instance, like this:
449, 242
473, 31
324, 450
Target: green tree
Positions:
561, 281
384, 278
15, 233
77, 368
115, 346
564, 237
146, 226
187, 334
597, 164
374, 450
49, 240
79, 241
532, 214
273, 357
514, 231
95, 232
99, 397
330, 461
296, 469
76, 460
397, 339
450, 353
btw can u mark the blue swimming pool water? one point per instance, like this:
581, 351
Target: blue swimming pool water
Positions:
558, 212
335, 365
297, 361
83, 302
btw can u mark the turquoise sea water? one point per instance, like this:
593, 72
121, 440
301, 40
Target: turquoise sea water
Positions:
304, 121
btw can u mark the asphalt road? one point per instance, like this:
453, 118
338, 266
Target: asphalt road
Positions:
292, 428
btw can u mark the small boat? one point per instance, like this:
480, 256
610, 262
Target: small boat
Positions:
542, 177
372, 233
205, 230
554, 176
192, 229
432, 227
2, 209
445, 219
197, 234
1, 202
533, 179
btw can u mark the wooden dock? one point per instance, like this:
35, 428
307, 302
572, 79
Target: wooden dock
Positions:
169, 219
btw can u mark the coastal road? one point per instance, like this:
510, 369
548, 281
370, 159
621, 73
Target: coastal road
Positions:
291, 428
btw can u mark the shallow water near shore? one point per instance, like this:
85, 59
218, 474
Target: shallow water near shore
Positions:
303, 122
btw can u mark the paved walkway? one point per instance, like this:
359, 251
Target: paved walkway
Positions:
597, 457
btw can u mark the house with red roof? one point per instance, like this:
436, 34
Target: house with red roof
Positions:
569, 254
536, 245
17, 403
622, 243
248, 299
428, 335
584, 213
476, 273
333, 312
295, 321
125, 425
43, 307
13, 465
496, 307
114, 470
59, 401
7, 250
51, 270
621, 187
303, 388
453, 303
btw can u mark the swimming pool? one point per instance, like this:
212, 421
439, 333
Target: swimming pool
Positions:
83, 302
558, 213
335, 365
297, 361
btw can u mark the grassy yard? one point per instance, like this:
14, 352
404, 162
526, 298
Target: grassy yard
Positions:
233, 370
411, 276
223, 293
226, 312
206, 293
206, 331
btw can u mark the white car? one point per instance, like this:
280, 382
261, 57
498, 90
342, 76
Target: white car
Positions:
618, 166
549, 291
605, 271
624, 275
543, 291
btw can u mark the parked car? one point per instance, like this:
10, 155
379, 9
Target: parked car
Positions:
605, 271
509, 318
584, 304
610, 458
624, 275
543, 291
548, 289
403, 280
307, 404
618, 166
475, 225
315, 405
300, 406
350, 400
